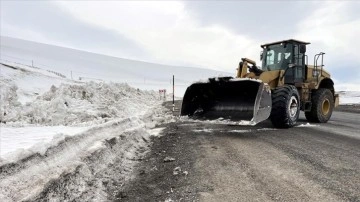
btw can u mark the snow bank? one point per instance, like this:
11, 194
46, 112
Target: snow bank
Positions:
29, 177
71, 141
15, 141
72, 104
68, 108
52, 111
87, 166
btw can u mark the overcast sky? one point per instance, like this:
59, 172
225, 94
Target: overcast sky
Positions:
210, 34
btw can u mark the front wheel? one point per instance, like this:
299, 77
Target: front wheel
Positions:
322, 102
285, 106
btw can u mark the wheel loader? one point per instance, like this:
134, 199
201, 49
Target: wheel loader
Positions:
284, 85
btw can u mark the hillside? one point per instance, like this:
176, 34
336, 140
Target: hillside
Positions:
83, 65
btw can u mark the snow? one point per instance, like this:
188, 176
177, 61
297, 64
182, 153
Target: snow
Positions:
18, 139
74, 104
97, 67
48, 160
246, 123
240, 131
29, 82
57, 126
307, 125
218, 121
246, 79
53, 128
169, 159
80, 106
349, 97
205, 130
156, 131
70, 153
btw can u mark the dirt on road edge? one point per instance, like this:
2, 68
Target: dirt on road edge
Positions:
166, 172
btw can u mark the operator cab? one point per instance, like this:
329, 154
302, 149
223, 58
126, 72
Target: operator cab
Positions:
288, 55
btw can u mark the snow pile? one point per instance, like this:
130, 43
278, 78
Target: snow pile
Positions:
78, 107
8, 98
37, 105
63, 140
218, 121
306, 125
28, 81
79, 164
72, 104
92, 164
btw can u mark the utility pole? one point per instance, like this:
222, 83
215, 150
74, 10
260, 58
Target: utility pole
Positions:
173, 105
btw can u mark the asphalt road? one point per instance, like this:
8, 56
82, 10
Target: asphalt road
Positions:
219, 162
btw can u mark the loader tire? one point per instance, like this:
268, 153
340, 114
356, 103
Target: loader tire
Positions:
322, 105
285, 106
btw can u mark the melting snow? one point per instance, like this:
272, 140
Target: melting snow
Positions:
156, 131
240, 131
218, 121
246, 123
306, 125
203, 130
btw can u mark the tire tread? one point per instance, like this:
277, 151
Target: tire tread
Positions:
279, 115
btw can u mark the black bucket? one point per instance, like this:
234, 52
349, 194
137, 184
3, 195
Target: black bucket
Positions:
234, 99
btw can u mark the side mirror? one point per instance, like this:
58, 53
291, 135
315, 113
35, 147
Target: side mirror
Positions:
261, 55
302, 48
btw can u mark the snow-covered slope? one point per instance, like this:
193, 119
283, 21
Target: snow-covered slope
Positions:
91, 66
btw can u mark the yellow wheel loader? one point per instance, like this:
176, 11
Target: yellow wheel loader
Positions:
279, 89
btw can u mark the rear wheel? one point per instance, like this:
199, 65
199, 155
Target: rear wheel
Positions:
322, 106
285, 107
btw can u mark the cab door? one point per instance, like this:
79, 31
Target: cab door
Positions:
297, 73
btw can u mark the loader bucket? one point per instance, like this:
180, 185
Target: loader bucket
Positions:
228, 98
